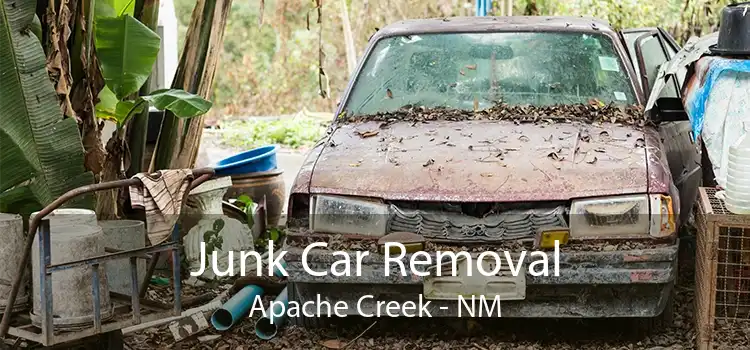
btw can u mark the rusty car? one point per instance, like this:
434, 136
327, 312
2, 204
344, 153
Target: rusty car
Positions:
443, 132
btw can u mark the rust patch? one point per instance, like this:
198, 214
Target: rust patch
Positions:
391, 165
642, 276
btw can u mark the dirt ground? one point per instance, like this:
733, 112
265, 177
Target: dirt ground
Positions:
478, 334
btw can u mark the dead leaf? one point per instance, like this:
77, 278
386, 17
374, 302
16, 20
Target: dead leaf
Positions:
592, 161
461, 72
471, 66
524, 138
450, 144
486, 174
366, 134
555, 156
604, 134
476, 104
333, 344
640, 143
599, 150
389, 93
429, 162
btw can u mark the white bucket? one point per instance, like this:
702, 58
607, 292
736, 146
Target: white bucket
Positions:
11, 234
72, 297
124, 235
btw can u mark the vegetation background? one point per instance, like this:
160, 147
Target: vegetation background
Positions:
272, 68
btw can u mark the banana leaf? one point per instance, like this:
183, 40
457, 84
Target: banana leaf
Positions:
127, 50
41, 154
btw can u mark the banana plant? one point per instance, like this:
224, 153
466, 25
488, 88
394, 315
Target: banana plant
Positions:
127, 51
41, 153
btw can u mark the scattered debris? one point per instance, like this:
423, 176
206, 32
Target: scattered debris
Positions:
555, 156
640, 143
366, 134
594, 112
429, 162
592, 161
333, 344
486, 174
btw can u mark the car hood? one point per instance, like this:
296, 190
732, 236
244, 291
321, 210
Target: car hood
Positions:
481, 161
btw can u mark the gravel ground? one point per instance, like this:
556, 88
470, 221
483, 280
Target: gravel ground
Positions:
479, 334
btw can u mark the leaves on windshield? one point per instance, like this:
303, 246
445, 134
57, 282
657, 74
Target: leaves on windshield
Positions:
593, 112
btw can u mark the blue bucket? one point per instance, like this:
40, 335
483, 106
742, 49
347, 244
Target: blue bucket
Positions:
252, 161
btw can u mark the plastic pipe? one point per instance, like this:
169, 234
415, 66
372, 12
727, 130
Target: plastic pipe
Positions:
236, 307
267, 326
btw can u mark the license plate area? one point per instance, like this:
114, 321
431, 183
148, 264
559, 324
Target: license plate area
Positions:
448, 287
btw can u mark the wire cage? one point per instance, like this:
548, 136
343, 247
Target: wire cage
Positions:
722, 269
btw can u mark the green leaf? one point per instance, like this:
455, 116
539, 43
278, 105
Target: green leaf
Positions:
183, 104
245, 199
127, 109
42, 153
127, 50
218, 225
107, 105
114, 8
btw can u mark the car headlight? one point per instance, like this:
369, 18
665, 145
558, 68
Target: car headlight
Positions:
348, 215
622, 216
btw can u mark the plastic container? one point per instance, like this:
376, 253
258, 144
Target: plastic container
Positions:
735, 24
738, 175
252, 161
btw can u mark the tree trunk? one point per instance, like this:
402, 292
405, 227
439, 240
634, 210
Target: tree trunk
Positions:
179, 139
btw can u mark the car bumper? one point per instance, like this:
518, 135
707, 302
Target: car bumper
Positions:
626, 283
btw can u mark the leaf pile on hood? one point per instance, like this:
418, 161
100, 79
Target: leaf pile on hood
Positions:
592, 112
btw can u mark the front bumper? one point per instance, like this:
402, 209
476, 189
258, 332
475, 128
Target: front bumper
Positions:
625, 283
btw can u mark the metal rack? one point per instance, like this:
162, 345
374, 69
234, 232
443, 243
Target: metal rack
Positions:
128, 311
722, 268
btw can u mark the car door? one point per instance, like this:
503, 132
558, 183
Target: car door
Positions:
649, 48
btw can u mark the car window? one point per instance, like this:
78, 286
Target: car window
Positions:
654, 55
469, 71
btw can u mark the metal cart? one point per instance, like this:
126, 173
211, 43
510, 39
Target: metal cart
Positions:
128, 310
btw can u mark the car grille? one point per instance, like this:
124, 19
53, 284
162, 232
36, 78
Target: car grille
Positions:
509, 225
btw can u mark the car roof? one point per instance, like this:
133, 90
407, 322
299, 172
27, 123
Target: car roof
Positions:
494, 24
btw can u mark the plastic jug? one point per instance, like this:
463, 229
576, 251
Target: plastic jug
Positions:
738, 175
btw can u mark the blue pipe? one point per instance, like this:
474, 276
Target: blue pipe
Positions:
236, 307
267, 326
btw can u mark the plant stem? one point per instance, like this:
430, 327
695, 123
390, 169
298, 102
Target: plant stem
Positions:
146, 11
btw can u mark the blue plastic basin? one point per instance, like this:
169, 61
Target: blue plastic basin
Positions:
252, 161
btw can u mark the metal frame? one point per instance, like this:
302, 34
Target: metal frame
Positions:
47, 336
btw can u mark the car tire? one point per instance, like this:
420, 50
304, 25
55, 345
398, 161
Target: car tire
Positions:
302, 320
647, 326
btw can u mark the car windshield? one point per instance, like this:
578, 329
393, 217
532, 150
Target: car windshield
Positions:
475, 71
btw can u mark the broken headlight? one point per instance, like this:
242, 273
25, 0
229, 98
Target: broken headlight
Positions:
348, 215
622, 217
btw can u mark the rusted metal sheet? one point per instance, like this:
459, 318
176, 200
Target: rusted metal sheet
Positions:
660, 177
482, 161
302, 180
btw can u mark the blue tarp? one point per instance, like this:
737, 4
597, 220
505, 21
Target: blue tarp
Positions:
482, 7
698, 92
